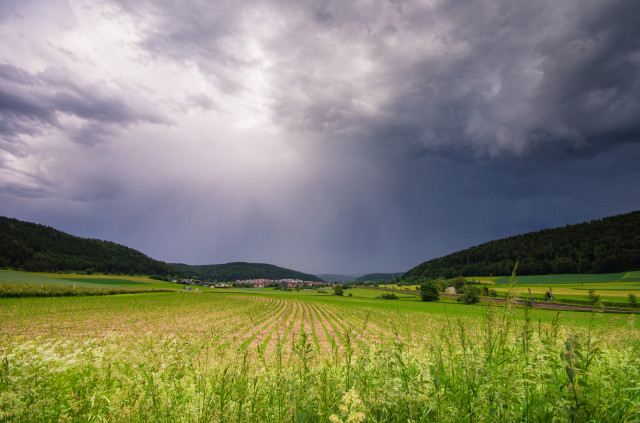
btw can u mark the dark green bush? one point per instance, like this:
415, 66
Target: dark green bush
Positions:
159, 278
470, 295
429, 291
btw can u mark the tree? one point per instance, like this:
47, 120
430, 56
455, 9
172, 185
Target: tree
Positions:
459, 283
429, 291
337, 290
633, 301
470, 295
593, 297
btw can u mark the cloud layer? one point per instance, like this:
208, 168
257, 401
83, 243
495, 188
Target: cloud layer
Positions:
323, 136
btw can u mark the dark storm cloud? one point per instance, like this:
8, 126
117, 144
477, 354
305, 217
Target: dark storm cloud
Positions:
199, 32
327, 136
461, 79
32, 103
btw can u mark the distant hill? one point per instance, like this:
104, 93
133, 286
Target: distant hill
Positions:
332, 277
372, 277
241, 271
606, 245
35, 247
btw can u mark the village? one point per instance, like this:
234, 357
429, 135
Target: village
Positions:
255, 283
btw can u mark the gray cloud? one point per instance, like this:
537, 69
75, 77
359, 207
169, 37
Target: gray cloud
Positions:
31, 104
325, 136
489, 78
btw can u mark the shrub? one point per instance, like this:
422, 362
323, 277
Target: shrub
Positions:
337, 290
593, 297
493, 293
459, 283
159, 278
429, 291
633, 301
470, 295
387, 296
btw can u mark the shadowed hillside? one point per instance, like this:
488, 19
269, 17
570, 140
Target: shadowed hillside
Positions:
606, 245
241, 271
38, 248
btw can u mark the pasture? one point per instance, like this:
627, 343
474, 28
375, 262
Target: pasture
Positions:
613, 288
265, 355
82, 280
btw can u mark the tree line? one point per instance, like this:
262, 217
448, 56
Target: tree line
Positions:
241, 271
606, 245
39, 248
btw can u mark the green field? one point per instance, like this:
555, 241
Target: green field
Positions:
87, 281
266, 355
613, 288
568, 278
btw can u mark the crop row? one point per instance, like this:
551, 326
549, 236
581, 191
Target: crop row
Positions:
235, 357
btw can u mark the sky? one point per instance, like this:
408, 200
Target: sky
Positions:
323, 136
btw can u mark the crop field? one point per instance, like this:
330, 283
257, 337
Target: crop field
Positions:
287, 356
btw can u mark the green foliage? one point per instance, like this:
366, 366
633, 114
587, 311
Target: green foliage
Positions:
231, 272
429, 291
12, 290
633, 300
470, 295
159, 278
593, 297
39, 248
338, 290
387, 296
601, 246
459, 283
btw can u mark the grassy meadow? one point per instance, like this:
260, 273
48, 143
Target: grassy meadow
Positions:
273, 356
613, 288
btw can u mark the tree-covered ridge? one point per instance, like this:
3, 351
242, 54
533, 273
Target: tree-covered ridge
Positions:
606, 245
34, 247
241, 271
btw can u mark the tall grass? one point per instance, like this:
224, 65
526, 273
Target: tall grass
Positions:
496, 368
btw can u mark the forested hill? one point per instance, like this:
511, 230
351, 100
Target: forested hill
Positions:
241, 271
34, 247
607, 245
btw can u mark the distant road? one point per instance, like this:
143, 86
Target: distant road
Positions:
535, 304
